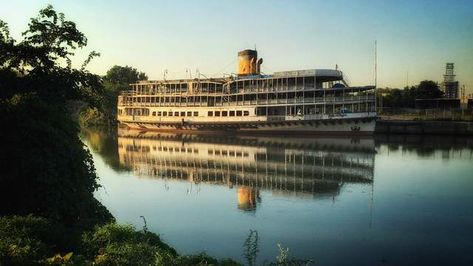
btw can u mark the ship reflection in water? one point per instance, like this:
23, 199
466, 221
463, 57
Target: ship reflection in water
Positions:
304, 167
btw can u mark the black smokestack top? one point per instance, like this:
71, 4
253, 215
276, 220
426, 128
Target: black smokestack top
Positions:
248, 52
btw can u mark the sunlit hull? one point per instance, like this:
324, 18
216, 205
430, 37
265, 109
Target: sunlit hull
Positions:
345, 126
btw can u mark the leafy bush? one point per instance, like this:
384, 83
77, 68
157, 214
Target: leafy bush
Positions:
113, 244
25, 240
46, 169
126, 254
92, 117
30, 240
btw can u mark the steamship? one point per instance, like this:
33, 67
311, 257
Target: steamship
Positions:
301, 101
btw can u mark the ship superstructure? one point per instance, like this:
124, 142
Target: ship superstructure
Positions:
313, 101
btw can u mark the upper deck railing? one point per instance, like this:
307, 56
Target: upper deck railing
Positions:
248, 90
259, 102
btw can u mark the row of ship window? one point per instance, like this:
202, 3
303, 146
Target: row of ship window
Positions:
228, 153
209, 113
228, 113
165, 113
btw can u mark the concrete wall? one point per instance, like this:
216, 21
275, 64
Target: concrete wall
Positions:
424, 127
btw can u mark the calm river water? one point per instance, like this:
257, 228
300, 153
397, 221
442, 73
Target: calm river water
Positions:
389, 200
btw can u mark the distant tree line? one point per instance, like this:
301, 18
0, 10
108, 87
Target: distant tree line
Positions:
406, 98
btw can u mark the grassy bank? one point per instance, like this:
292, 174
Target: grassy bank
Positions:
32, 240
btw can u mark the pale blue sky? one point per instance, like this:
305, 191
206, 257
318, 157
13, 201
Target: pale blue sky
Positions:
418, 37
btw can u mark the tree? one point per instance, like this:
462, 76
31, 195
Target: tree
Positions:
406, 97
34, 64
399, 98
117, 80
428, 89
118, 77
45, 169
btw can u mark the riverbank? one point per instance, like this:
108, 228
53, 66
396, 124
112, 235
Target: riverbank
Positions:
424, 127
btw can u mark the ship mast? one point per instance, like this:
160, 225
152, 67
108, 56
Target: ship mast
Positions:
375, 75
375, 64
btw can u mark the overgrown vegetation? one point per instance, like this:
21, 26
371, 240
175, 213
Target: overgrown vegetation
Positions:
28, 240
46, 171
115, 81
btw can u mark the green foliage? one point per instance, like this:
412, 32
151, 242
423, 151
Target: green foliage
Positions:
34, 64
33, 241
92, 117
45, 159
47, 170
126, 254
114, 244
282, 259
428, 89
283, 253
405, 98
115, 81
118, 77
60, 260
24, 240
113, 234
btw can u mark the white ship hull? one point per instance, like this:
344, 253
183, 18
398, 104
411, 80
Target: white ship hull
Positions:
359, 125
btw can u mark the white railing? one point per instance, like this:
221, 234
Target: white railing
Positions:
312, 100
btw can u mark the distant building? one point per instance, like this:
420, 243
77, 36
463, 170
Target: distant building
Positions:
450, 86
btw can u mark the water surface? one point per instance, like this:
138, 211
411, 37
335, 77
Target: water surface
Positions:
393, 200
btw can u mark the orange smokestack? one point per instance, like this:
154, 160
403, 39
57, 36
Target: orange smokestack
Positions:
248, 63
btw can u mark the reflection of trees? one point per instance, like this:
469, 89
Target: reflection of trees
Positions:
104, 143
426, 146
421, 151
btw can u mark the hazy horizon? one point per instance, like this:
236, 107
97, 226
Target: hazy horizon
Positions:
415, 37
